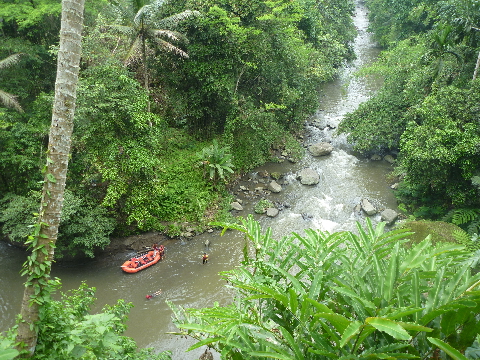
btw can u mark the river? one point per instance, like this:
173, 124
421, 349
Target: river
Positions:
329, 206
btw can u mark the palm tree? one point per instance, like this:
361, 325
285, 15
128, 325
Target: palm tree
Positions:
42, 243
7, 99
138, 19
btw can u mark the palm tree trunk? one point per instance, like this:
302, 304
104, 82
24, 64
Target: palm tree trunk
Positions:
476, 67
39, 263
145, 73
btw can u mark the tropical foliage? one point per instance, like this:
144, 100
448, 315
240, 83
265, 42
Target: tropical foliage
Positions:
158, 81
342, 296
144, 30
427, 111
70, 330
216, 161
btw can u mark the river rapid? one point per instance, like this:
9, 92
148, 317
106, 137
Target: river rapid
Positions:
184, 280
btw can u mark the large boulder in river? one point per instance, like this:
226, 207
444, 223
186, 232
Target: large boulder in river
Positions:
274, 187
389, 216
389, 158
308, 177
368, 207
272, 212
236, 206
320, 149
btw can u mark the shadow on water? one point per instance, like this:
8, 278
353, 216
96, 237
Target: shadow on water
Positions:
329, 206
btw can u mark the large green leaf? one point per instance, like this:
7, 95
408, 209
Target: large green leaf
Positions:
351, 330
392, 273
454, 353
390, 327
8, 354
338, 321
416, 256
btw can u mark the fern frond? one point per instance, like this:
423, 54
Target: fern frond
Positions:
461, 236
448, 216
463, 216
474, 227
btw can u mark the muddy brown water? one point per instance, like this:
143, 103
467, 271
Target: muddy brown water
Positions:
184, 280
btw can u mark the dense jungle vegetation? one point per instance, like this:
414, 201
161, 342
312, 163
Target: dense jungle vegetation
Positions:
174, 97
428, 109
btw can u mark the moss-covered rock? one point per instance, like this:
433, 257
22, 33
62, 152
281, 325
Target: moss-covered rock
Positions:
440, 231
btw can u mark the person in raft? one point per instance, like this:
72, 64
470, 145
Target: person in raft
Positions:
160, 249
205, 258
133, 262
156, 293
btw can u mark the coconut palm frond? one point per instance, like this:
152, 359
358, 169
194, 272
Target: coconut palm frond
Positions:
165, 45
10, 101
144, 14
121, 30
10, 60
135, 52
168, 35
155, 6
174, 20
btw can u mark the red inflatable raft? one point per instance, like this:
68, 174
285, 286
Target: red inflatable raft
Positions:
140, 262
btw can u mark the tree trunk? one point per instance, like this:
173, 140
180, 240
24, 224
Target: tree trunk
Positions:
476, 67
38, 265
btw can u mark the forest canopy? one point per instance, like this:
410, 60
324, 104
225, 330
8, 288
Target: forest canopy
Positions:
160, 80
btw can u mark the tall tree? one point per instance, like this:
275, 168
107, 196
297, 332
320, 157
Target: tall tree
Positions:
140, 21
7, 99
38, 265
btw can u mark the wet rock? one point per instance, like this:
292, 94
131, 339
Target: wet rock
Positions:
375, 157
306, 216
272, 212
389, 216
259, 188
243, 188
308, 177
389, 158
236, 206
368, 207
274, 187
320, 149
394, 186
207, 355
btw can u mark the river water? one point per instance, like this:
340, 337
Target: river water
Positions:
184, 280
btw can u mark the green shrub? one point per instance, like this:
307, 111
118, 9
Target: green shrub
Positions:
85, 226
262, 206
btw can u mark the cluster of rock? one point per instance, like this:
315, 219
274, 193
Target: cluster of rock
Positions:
269, 183
387, 215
